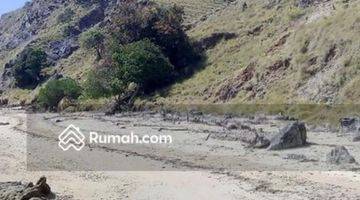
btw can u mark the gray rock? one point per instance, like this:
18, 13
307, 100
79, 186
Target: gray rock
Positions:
356, 136
305, 3
261, 142
4, 123
350, 124
26, 191
340, 155
61, 49
231, 126
293, 135
298, 157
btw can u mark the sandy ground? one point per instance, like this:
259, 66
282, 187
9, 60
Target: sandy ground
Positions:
191, 172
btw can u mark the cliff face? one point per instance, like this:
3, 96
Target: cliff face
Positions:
269, 51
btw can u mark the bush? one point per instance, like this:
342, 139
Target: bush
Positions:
136, 20
98, 83
27, 67
55, 90
66, 16
93, 39
142, 63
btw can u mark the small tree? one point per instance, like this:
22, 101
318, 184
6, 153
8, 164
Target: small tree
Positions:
163, 25
28, 66
55, 90
93, 39
142, 63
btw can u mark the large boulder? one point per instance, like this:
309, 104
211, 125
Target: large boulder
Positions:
340, 155
293, 135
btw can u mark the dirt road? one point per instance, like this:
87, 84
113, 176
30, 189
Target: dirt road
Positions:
186, 176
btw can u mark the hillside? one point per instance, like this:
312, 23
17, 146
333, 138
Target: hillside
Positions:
282, 54
299, 51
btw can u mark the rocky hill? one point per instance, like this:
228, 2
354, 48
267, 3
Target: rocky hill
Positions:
264, 51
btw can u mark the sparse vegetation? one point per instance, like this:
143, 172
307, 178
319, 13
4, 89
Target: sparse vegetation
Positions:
66, 16
55, 90
93, 39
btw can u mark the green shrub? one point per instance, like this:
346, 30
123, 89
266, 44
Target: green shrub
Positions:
163, 25
98, 83
55, 90
27, 67
142, 63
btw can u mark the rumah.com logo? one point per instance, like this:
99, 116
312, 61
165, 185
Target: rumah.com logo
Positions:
73, 138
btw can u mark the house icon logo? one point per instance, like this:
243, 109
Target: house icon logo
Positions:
71, 137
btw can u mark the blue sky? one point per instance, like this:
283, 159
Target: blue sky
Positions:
10, 5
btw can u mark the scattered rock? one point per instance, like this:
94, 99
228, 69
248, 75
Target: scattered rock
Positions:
111, 108
64, 104
340, 155
305, 3
255, 31
244, 6
298, 157
350, 124
4, 123
260, 142
231, 126
230, 88
330, 54
26, 191
4, 102
356, 136
293, 135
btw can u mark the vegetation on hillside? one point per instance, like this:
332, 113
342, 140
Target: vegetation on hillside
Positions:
56, 90
274, 52
27, 67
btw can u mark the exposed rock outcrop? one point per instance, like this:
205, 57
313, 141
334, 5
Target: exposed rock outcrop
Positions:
61, 49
